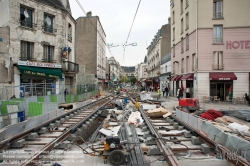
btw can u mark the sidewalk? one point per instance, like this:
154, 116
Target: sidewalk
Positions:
222, 105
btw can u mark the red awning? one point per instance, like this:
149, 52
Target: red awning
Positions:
178, 78
188, 76
222, 76
173, 78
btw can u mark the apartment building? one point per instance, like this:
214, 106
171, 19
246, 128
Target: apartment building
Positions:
91, 47
129, 71
166, 72
159, 47
39, 51
114, 69
210, 47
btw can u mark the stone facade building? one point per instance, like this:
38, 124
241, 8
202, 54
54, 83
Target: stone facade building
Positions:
91, 48
41, 45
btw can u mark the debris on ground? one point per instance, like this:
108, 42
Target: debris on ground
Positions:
157, 113
135, 118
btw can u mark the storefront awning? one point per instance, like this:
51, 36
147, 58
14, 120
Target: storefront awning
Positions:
174, 77
41, 71
188, 76
222, 76
178, 78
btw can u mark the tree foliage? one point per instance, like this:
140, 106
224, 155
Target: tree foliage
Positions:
133, 80
124, 78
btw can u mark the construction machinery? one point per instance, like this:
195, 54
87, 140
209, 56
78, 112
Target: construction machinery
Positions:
189, 104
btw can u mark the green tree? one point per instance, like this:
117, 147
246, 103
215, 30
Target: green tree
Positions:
133, 80
124, 78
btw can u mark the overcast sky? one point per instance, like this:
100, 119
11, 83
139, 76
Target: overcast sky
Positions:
116, 17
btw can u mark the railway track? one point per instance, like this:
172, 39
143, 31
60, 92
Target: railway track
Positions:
55, 133
180, 142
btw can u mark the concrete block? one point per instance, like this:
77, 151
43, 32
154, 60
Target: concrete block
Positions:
71, 137
79, 131
75, 113
18, 144
51, 126
206, 149
153, 150
180, 128
176, 125
187, 134
78, 111
62, 120
66, 118
31, 137
144, 129
65, 145
146, 134
71, 115
57, 123
196, 140
168, 119
148, 106
43, 130
150, 141
171, 122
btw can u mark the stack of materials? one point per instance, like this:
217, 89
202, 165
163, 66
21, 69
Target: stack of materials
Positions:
211, 114
240, 113
158, 113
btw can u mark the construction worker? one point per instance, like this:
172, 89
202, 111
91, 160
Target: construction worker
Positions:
136, 104
159, 93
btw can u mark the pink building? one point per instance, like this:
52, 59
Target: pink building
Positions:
211, 47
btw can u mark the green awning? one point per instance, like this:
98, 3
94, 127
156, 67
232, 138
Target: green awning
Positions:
41, 71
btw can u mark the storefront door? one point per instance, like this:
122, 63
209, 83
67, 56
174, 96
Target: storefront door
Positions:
221, 89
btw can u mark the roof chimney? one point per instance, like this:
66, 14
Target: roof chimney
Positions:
169, 20
89, 14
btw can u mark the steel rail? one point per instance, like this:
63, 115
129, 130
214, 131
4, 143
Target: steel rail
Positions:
60, 139
25, 133
231, 157
170, 157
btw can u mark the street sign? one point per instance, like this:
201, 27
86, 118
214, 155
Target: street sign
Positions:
1, 39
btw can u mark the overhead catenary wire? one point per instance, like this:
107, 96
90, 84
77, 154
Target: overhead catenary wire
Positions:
130, 31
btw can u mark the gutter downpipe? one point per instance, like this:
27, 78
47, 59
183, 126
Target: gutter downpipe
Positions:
196, 68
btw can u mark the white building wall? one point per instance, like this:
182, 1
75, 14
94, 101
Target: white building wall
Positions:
241, 85
203, 85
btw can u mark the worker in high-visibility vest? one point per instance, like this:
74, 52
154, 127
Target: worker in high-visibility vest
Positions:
136, 104
159, 93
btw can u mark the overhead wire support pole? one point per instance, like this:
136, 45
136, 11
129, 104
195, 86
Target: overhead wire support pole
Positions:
130, 30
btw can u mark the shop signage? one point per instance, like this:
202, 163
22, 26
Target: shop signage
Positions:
243, 44
38, 74
39, 64
224, 79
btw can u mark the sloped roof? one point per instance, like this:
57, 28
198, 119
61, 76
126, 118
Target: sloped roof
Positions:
53, 3
128, 69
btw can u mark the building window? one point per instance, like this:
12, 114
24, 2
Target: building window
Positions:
217, 9
182, 65
27, 51
173, 18
187, 21
48, 23
172, 4
182, 45
218, 60
187, 3
48, 53
181, 25
26, 17
181, 6
173, 33
187, 42
187, 63
69, 32
174, 50
217, 36
193, 62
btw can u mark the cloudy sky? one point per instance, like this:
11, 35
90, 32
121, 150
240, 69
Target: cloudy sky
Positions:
116, 17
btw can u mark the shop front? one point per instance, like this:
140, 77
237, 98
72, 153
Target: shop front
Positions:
156, 83
189, 82
221, 85
39, 79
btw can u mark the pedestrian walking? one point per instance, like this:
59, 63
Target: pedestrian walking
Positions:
163, 91
159, 93
188, 92
247, 98
166, 91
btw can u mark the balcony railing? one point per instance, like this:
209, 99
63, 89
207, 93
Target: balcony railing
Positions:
49, 29
218, 66
218, 40
69, 37
27, 24
27, 56
218, 15
70, 67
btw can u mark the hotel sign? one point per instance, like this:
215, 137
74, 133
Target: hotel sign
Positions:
39, 64
243, 44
